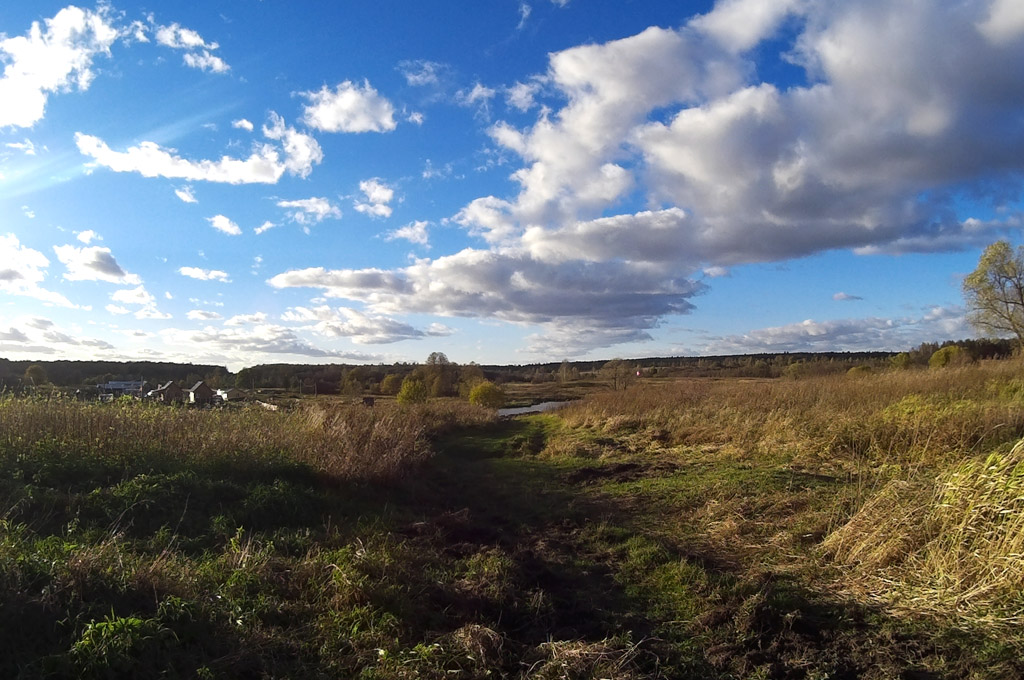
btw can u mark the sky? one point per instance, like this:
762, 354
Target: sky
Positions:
263, 181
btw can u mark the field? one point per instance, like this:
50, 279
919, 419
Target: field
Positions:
862, 526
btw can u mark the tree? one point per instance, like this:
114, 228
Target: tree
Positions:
618, 374
35, 374
487, 394
995, 292
391, 384
413, 392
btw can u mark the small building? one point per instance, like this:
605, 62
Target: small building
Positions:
232, 394
200, 393
119, 388
169, 393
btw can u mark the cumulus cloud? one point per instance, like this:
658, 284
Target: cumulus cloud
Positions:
296, 154
42, 336
244, 342
264, 227
149, 159
302, 151
224, 224
905, 107
93, 264
140, 298
613, 297
414, 232
244, 319
349, 108
54, 56
199, 53
203, 315
242, 124
205, 61
308, 211
866, 334
23, 269
204, 274
377, 196
360, 328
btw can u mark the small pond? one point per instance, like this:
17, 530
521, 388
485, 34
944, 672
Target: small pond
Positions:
536, 408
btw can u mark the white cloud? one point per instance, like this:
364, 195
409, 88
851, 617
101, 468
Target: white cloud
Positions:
118, 310
245, 319
204, 274
244, 343
378, 195
310, 210
344, 322
264, 227
55, 56
349, 108
846, 297
302, 151
263, 166
203, 315
26, 147
140, 298
478, 96
864, 334
414, 232
93, 264
88, 236
178, 37
222, 223
1004, 22
23, 269
521, 95
148, 159
421, 73
613, 297
205, 61
186, 194
242, 124
416, 118
741, 24
28, 212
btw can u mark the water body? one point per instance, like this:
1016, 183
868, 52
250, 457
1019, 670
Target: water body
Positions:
536, 408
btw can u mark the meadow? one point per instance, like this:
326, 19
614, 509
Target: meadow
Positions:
843, 526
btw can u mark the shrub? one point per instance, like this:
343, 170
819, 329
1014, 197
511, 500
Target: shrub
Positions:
413, 392
391, 384
858, 371
952, 355
487, 394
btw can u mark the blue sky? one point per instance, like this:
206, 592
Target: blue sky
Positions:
251, 182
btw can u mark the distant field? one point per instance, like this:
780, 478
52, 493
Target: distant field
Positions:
861, 526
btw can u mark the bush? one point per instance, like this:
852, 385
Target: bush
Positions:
487, 394
413, 392
952, 355
391, 384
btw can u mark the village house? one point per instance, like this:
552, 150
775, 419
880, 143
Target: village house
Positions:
169, 393
232, 394
200, 393
118, 388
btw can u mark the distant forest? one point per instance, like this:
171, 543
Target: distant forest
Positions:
444, 377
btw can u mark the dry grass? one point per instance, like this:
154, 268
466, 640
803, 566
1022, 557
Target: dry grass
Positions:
841, 422
955, 548
340, 440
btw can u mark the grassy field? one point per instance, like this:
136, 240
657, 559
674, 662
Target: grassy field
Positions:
839, 527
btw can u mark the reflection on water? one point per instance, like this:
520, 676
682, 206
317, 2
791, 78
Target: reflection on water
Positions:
536, 408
